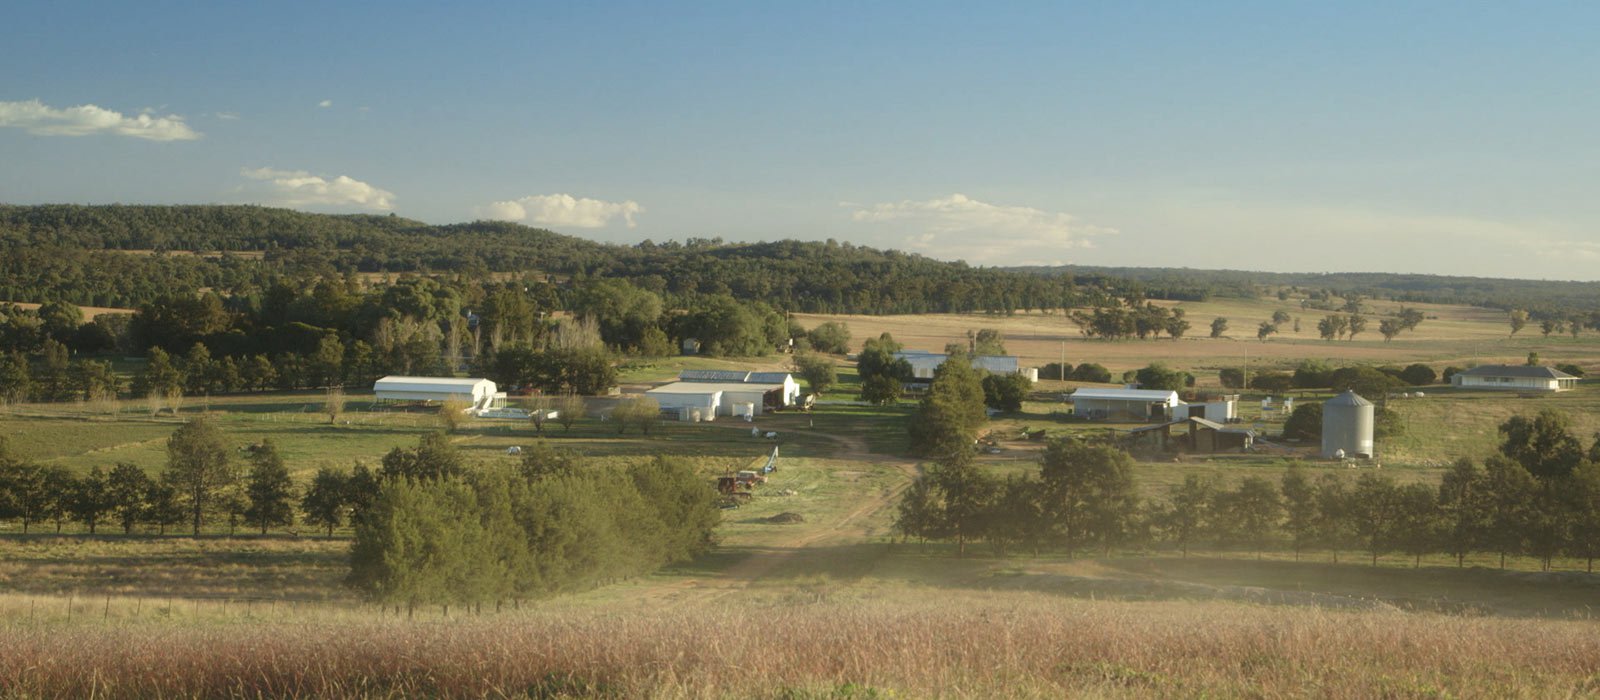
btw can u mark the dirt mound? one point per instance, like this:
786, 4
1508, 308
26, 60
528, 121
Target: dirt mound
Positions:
786, 518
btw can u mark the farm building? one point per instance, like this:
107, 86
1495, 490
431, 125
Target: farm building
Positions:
479, 394
787, 397
1220, 409
924, 363
1202, 436
714, 393
689, 400
1124, 404
1515, 378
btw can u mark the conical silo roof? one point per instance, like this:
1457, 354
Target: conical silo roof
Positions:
1348, 398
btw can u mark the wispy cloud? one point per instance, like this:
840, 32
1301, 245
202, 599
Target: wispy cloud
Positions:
961, 227
563, 210
226, 116
38, 118
297, 188
325, 104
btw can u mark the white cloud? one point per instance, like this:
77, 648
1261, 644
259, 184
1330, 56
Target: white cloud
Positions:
43, 120
296, 188
325, 104
562, 210
959, 227
227, 116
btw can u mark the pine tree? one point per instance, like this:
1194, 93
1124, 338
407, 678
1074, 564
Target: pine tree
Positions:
269, 492
129, 488
1187, 512
327, 499
1300, 508
90, 499
1463, 509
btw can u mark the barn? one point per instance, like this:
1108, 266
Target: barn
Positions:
1124, 404
479, 394
1515, 378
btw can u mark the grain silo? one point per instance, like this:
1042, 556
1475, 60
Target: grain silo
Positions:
1347, 426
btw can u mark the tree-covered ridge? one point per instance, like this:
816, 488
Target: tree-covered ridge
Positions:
1539, 296
64, 252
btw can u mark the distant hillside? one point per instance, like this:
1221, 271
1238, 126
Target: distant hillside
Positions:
1539, 296
80, 254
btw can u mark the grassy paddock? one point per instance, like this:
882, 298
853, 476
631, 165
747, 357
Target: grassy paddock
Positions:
974, 644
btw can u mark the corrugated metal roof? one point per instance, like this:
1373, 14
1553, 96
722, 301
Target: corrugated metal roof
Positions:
713, 375
1519, 371
767, 377
1124, 395
712, 387
1348, 398
415, 383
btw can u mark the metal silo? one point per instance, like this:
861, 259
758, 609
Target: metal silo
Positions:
1347, 425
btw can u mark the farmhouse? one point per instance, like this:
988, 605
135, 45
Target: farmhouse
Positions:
1515, 378
479, 394
703, 394
1124, 404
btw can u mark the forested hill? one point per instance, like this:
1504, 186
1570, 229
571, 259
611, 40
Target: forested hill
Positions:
1545, 296
125, 255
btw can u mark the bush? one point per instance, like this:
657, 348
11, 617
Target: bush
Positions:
1231, 378
1418, 375
1450, 372
1005, 392
1056, 370
1571, 369
830, 337
1305, 423
1090, 372
1272, 382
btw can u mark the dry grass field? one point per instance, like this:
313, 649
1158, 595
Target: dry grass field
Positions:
932, 644
1450, 335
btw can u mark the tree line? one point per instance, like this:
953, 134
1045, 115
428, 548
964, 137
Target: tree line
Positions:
1539, 496
60, 251
553, 525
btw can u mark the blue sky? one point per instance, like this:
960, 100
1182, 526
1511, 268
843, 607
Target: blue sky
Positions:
1448, 138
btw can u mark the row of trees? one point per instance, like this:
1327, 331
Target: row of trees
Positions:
1131, 320
555, 525
202, 481
1540, 496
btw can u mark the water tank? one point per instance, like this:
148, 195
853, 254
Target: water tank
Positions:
1347, 425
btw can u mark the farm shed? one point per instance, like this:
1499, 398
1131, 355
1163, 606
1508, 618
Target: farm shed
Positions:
1220, 409
479, 394
779, 389
924, 363
1201, 436
1515, 378
1124, 404
686, 398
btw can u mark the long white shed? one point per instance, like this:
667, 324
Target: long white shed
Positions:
480, 394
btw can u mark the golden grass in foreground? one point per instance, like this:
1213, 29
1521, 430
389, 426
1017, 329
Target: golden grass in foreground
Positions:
962, 645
